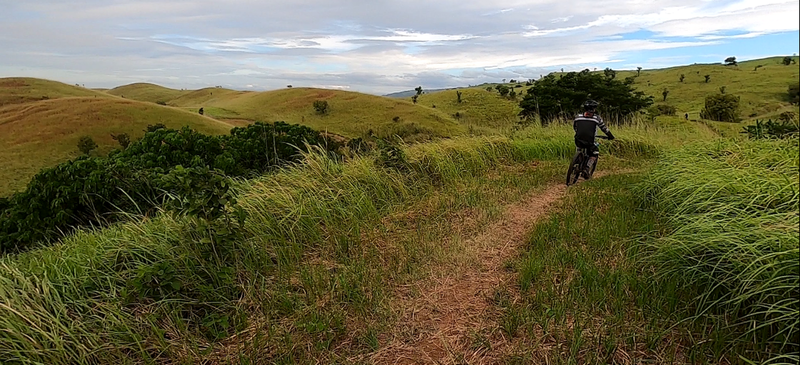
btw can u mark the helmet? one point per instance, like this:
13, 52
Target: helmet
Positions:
590, 105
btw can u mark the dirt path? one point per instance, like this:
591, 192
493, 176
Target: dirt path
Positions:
441, 324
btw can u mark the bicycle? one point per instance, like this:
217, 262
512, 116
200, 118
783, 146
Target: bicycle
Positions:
579, 164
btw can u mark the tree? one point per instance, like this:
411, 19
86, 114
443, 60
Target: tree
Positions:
708, 78
155, 127
414, 98
489, 88
418, 89
638, 71
86, 145
512, 95
321, 106
788, 60
552, 97
682, 77
502, 89
664, 94
722, 89
123, 139
721, 107
458, 95
730, 61
611, 74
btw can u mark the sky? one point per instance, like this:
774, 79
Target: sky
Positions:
375, 46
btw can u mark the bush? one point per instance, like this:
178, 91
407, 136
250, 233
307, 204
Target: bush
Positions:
123, 139
321, 106
730, 61
663, 109
788, 60
769, 129
794, 93
721, 107
95, 191
86, 145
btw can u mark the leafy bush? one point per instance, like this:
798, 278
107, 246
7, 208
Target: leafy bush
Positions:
730, 61
552, 97
769, 129
123, 139
794, 93
721, 107
662, 109
788, 60
86, 145
94, 191
321, 106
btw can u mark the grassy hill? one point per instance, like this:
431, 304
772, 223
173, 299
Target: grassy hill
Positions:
147, 92
16, 90
40, 134
350, 114
479, 109
763, 91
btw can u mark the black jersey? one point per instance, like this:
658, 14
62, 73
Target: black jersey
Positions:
585, 126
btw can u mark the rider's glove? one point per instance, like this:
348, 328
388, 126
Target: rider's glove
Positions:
610, 136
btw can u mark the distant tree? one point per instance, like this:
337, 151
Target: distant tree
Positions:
553, 97
200, 111
155, 127
321, 106
638, 70
757, 67
418, 89
503, 89
123, 139
794, 93
664, 93
458, 95
86, 145
395, 119
504, 81
730, 61
721, 107
682, 77
611, 74
708, 78
489, 88
787, 60
289, 86
414, 98
722, 89
513, 81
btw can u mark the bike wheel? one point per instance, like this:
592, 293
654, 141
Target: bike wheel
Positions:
574, 171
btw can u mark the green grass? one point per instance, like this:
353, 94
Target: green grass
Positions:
20, 90
483, 112
732, 243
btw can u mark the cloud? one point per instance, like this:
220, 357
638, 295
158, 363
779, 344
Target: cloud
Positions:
369, 46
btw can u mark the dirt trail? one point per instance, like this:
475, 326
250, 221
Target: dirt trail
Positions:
439, 325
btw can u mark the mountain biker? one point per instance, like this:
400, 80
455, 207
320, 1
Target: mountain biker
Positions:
585, 126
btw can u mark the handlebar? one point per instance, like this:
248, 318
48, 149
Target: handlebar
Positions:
601, 137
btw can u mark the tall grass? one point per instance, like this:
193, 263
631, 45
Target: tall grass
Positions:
300, 265
733, 243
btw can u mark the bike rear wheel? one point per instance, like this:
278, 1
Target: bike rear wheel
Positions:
594, 166
574, 171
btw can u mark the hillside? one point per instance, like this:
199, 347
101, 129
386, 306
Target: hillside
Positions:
350, 114
479, 109
763, 91
17, 90
40, 134
147, 92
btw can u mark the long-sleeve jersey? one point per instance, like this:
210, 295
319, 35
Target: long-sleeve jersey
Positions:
585, 126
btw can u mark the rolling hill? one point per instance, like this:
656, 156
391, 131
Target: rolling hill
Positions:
147, 92
40, 134
17, 90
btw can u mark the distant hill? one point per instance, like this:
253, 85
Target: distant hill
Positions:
147, 92
43, 133
410, 93
18, 90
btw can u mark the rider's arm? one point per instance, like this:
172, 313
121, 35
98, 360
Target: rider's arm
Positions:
603, 128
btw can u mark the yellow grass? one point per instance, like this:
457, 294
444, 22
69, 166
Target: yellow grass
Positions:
40, 134
147, 92
16, 90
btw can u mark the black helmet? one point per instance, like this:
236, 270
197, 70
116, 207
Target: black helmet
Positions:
590, 105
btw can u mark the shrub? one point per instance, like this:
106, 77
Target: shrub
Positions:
155, 127
788, 60
609, 73
123, 139
502, 89
86, 145
721, 107
770, 129
489, 88
664, 93
794, 93
707, 77
664, 109
161, 102
458, 96
321, 106
730, 61
682, 77
722, 89
395, 119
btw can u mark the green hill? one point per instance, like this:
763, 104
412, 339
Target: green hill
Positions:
147, 92
41, 134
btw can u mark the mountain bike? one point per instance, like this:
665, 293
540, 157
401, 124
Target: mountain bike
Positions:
579, 162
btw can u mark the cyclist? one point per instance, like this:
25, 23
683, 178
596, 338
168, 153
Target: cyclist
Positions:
585, 126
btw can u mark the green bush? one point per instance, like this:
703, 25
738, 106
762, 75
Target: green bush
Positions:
321, 106
86, 145
721, 107
95, 191
769, 129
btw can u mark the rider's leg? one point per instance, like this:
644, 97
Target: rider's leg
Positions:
592, 160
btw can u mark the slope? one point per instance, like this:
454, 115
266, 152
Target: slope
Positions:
479, 108
16, 90
350, 114
147, 92
41, 134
